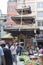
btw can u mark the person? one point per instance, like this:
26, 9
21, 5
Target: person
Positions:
2, 58
37, 49
6, 46
18, 50
13, 51
41, 51
31, 51
8, 56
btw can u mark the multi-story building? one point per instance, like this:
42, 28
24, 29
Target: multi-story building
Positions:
39, 19
21, 20
36, 7
2, 22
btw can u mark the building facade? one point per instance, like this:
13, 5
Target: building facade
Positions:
2, 22
20, 22
36, 7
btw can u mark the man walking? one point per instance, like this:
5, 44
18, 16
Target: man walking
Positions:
13, 51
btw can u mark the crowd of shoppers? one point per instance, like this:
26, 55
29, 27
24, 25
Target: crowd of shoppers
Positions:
8, 53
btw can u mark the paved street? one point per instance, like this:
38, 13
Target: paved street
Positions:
19, 62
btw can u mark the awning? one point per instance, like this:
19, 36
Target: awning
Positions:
7, 36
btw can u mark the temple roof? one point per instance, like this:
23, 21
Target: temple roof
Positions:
23, 9
29, 27
24, 17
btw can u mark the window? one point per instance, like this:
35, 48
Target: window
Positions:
11, 9
12, 0
40, 4
41, 32
40, 13
15, 0
20, 1
39, 0
40, 23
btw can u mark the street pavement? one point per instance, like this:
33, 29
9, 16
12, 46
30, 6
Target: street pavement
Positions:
19, 62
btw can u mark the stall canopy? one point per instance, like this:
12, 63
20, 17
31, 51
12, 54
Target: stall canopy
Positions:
7, 36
